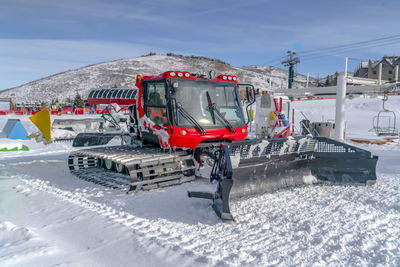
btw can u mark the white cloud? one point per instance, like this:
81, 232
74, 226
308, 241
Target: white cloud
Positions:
70, 50
90, 8
23, 60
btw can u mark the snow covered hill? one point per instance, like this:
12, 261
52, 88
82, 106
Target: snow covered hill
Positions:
122, 73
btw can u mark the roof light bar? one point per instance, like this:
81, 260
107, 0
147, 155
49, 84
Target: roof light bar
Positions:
227, 77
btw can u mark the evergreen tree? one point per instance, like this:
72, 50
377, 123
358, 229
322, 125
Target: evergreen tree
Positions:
78, 101
69, 101
335, 78
327, 82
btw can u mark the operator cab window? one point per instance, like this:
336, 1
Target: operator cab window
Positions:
155, 102
155, 95
192, 96
227, 101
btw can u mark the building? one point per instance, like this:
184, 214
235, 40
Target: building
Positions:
105, 96
370, 69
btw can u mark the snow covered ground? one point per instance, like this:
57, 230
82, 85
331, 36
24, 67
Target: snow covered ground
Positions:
48, 217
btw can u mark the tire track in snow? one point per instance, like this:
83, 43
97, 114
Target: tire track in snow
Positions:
315, 225
149, 231
19, 243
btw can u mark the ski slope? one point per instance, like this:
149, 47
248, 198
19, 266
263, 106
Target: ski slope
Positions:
48, 217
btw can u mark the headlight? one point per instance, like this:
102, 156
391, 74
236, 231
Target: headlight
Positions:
187, 74
180, 74
230, 78
224, 77
172, 74
234, 78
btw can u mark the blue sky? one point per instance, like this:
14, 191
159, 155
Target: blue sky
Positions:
43, 37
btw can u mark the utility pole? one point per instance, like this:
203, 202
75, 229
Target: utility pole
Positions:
291, 62
380, 74
340, 123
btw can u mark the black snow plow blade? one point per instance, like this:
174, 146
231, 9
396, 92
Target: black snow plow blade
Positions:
252, 167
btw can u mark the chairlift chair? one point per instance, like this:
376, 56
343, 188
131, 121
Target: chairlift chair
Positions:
385, 122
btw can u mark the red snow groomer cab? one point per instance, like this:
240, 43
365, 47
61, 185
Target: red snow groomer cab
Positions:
181, 110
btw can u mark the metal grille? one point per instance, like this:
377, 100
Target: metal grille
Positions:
278, 147
266, 148
329, 145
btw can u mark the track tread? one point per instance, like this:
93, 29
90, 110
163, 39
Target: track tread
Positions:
148, 167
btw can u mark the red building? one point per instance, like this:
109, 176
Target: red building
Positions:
123, 97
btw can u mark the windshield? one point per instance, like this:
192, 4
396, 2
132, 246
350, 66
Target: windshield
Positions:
192, 95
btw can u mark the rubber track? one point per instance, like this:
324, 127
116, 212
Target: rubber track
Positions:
145, 167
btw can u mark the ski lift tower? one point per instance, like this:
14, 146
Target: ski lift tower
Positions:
291, 62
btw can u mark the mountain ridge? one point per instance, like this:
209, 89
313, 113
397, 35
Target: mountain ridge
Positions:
122, 73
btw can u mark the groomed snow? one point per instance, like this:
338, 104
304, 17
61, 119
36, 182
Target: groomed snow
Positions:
48, 217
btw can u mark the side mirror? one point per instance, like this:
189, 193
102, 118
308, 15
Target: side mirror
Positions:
250, 94
251, 98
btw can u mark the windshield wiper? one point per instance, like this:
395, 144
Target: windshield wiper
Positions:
212, 107
189, 117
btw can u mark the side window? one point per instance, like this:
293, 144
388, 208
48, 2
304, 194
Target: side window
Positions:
155, 103
155, 95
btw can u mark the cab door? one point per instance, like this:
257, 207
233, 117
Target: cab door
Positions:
155, 108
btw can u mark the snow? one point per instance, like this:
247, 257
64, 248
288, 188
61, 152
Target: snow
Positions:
48, 217
122, 73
